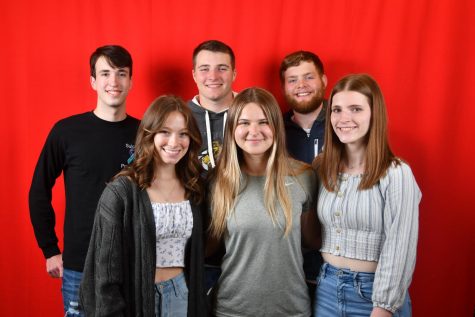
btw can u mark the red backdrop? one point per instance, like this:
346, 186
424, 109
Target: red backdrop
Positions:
420, 51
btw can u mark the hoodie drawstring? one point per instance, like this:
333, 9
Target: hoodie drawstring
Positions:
208, 139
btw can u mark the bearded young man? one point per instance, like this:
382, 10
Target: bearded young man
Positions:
303, 82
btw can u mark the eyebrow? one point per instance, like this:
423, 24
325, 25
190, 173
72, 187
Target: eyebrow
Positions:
219, 65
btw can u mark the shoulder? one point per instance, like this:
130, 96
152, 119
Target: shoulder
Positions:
304, 174
399, 175
132, 121
399, 170
73, 120
120, 188
64, 127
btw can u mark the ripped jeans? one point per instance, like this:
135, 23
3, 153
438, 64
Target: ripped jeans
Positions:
70, 290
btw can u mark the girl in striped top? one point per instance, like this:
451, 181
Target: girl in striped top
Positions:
368, 206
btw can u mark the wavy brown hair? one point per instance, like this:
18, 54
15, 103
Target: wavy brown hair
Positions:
378, 155
188, 169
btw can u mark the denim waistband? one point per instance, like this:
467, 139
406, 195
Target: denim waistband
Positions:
329, 270
171, 285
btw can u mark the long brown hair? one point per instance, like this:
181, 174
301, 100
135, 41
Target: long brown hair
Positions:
228, 174
188, 169
378, 152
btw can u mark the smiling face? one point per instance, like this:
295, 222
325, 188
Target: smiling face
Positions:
111, 84
214, 75
304, 87
172, 139
253, 134
350, 117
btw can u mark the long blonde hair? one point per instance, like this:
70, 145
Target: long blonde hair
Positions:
227, 176
378, 152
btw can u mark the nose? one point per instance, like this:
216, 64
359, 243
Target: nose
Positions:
173, 140
213, 74
301, 83
253, 129
345, 115
113, 79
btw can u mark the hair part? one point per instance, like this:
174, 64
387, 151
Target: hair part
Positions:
116, 56
188, 169
295, 58
228, 176
216, 47
378, 156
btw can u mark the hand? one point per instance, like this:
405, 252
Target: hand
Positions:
54, 266
380, 312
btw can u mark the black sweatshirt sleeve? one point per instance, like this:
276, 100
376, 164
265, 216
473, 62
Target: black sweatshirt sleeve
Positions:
49, 167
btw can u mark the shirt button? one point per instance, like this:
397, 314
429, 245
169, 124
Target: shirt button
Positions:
338, 230
337, 213
337, 248
340, 194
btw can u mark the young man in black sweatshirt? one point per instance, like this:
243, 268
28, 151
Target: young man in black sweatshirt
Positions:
89, 149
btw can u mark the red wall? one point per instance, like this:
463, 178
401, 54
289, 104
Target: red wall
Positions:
421, 52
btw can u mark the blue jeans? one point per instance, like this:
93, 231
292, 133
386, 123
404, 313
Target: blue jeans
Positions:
171, 297
344, 293
70, 290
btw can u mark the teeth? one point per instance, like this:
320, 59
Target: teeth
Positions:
171, 151
303, 94
346, 129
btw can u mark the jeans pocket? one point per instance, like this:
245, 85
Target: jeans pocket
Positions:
364, 290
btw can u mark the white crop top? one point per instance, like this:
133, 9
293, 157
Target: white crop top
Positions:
173, 225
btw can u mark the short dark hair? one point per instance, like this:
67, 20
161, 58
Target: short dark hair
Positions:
116, 56
294, 59
214, 46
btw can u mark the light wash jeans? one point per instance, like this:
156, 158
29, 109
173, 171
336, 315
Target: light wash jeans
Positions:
171, 297
70, 290
344, 293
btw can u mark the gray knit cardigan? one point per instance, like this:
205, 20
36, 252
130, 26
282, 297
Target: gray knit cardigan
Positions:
119, 272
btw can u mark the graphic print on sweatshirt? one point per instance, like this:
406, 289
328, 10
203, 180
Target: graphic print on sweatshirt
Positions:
204, 155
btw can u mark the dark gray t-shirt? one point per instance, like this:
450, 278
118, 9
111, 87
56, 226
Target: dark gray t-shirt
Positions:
263, 270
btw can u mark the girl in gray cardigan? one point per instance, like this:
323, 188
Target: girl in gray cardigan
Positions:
145, 257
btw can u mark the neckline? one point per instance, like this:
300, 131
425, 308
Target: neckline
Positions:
170, 203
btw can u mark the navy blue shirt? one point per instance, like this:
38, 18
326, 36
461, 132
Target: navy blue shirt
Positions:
303, 147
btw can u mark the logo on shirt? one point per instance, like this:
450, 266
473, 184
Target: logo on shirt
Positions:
131, 149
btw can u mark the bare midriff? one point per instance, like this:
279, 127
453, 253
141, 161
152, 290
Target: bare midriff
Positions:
166, 273
352, 264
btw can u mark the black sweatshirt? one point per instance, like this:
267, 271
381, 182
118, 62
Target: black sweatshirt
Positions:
88, 151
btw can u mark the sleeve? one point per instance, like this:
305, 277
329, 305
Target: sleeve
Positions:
101, 290
49, 167
401, 221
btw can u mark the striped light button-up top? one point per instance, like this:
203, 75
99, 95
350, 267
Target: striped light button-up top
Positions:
378, 224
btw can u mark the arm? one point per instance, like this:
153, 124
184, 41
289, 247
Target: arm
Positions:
398, 255
101, 290
49, 167
310, 226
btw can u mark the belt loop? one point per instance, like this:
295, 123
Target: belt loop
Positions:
324, 269
355, 279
